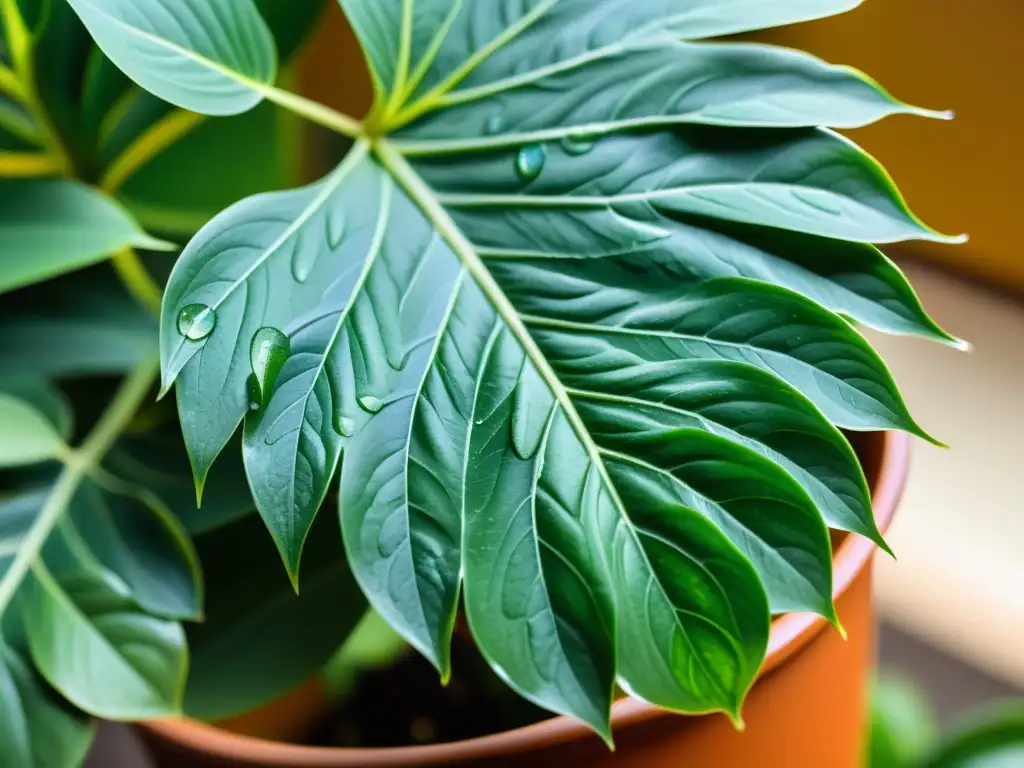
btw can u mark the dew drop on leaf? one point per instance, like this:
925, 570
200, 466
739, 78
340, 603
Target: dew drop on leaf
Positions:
530, 161
255, 398
578, 143
335, 229
196, 321
371, 404
304, 258
267, 355
344, 426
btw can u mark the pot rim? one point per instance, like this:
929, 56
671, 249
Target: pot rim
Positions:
789, 635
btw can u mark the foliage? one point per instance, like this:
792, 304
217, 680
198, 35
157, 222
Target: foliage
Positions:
904, 734
571, 332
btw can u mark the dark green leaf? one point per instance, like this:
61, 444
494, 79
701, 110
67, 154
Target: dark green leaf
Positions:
80, 326
159, 464
144, 545
207, 58
990, 739
261, 639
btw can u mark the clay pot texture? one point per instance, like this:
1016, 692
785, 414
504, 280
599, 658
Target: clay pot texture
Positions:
807, 710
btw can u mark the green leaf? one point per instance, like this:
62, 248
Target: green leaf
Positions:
215, 62
902, 725
257, 623
653, 79
134, 538
49, 227
83, 325
158, 463
593, 382
92, 643
429, 46
42, 396
28, 436
993, 738
811, 181
37, 728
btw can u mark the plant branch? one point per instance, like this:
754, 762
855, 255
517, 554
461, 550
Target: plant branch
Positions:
312, 110
10, 85
137, 280
18, 165
78, 465
155, 140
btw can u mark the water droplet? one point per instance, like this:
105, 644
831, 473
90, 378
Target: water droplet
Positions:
254, 393
196, 321
345, 426
371, 404
495, 124
305, 254
578, 143
335, 229
530, 161
267, 354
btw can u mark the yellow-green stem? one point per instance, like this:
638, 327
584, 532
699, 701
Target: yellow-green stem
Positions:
151, 143
137, 280
78, 465
19, 44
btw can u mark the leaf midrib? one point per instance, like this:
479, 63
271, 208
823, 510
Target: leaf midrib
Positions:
436, 214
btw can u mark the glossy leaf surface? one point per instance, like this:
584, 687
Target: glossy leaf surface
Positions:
589, 378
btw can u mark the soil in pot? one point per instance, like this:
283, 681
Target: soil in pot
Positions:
405, 704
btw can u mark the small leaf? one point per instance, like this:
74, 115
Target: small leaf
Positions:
211, 61
143, 545
89, 639
28, 436
49, 227
37, 728
44, 398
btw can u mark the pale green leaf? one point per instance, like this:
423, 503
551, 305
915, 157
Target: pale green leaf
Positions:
50, 226
37, 728
28, 436
213, 58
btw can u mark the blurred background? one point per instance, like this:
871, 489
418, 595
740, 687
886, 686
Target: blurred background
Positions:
952, 604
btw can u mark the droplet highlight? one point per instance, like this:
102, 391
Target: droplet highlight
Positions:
335, 229
578, 143
530, 161
371, 404
267, 354
345, 426
196, 322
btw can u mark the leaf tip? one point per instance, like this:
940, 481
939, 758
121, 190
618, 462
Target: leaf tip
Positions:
736, 718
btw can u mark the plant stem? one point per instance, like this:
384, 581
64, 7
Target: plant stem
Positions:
137, 280
19, 44
78, 465
18, 165
312, 110
151, 143
10, 85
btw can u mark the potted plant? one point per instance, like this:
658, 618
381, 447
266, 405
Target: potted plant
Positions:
568, 336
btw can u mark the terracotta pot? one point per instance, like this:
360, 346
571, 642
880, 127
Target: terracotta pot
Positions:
808, 710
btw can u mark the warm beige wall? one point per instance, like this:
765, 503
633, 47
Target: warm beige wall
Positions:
966, 55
